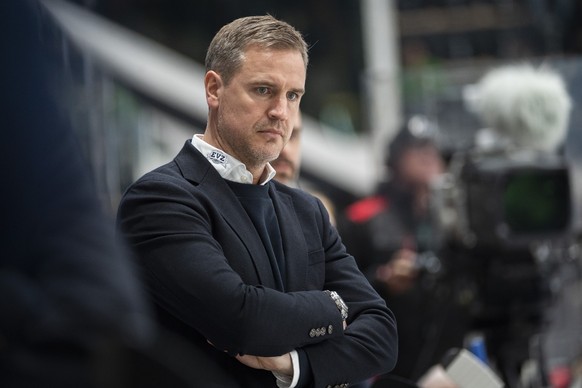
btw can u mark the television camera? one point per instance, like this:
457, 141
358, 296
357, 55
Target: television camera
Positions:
504, 212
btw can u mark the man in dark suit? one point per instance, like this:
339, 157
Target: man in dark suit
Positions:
250, 271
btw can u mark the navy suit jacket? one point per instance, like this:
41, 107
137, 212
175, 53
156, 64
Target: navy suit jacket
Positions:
209, 275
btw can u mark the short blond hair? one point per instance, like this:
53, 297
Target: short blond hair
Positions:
226, 50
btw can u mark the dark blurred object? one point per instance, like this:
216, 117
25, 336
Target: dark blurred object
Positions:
504, 200
390, 381
67, 288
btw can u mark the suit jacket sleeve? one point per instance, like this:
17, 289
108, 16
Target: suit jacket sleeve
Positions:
369, 344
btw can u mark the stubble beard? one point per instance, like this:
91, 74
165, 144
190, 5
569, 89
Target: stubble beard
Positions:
241, 146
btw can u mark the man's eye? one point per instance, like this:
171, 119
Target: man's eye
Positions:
292, 96
262, 90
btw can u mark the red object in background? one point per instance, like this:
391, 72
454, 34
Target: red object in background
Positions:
560, 377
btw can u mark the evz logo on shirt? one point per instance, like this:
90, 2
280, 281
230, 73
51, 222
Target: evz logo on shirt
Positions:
217, 157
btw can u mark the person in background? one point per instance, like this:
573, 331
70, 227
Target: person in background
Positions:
288, 166
389, 231
288, 163
250, 271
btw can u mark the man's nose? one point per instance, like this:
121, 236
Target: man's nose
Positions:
279, 109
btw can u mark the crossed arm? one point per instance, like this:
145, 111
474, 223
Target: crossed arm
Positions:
214, 292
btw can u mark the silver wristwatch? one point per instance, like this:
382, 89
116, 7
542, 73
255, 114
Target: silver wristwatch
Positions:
339, 302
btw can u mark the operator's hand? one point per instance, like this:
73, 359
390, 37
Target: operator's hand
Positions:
400, 273
280, 364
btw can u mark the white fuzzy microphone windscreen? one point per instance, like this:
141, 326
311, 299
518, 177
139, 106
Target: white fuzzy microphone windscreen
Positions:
526, 107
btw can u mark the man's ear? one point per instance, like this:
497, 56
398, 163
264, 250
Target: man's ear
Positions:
213, 86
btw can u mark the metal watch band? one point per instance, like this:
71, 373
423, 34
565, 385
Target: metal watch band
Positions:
339, 302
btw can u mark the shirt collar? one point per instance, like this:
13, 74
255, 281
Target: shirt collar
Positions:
228, 166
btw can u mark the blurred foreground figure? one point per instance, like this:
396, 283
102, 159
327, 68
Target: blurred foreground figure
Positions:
67, 290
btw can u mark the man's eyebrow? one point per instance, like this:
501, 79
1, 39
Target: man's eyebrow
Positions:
271, 84
298, 91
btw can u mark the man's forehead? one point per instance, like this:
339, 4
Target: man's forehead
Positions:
255, 56
271, 50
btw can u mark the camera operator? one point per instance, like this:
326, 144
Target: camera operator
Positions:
391, 232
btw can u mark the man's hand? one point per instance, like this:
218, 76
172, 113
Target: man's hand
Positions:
400, 273
280, 364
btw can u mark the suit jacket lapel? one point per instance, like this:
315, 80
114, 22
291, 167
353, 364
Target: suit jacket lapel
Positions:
294, 246
198, 170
